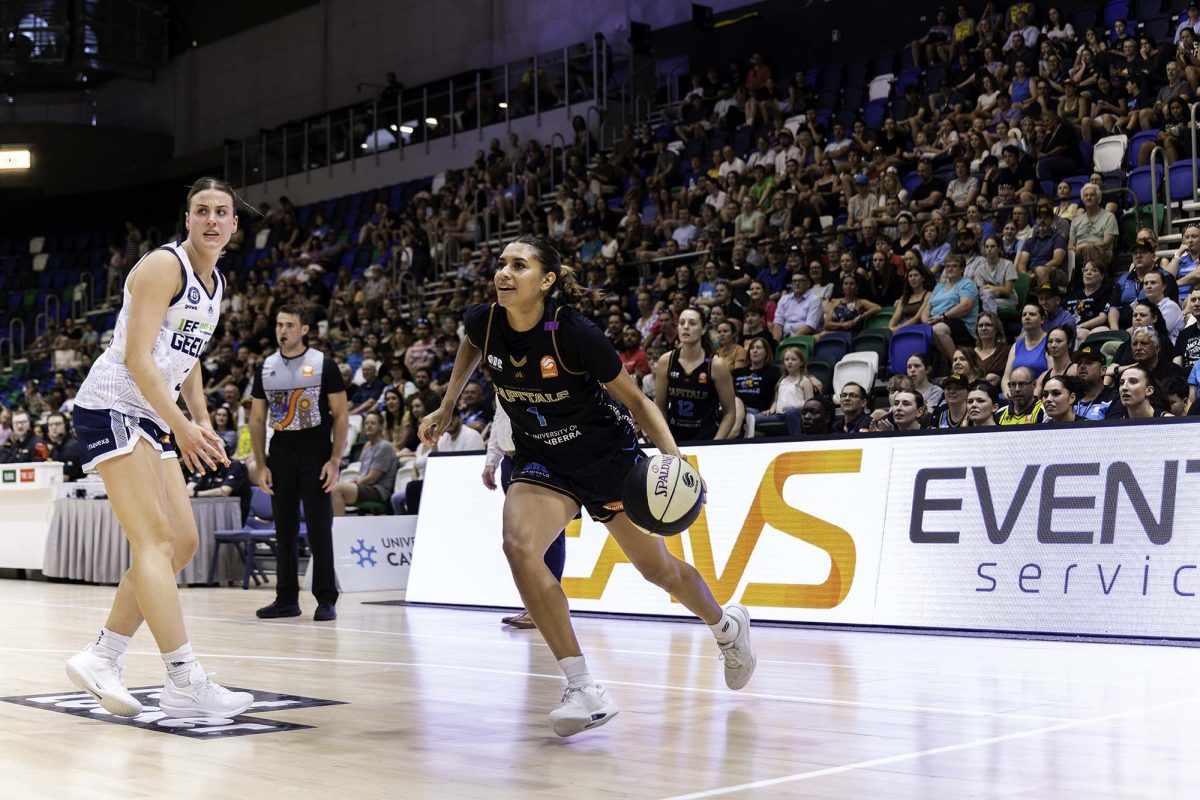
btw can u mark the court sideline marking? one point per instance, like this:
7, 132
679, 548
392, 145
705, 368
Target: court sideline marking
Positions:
804, 700
895, 672
933, 751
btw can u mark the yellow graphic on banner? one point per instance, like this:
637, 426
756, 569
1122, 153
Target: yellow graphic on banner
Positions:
767, 508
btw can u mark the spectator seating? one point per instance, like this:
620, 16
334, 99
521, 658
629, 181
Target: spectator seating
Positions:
905, 343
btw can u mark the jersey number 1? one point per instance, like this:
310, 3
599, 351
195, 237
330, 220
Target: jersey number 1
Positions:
541, 420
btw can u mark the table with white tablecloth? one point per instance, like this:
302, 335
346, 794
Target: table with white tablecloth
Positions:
86, 542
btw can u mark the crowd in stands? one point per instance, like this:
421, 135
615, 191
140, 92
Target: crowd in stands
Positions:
951, 214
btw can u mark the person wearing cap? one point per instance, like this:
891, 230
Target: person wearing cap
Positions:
1095, 397
1094, 232
861, 205
1128, 287
423, 350
1049, 297
952, 413
1044, 253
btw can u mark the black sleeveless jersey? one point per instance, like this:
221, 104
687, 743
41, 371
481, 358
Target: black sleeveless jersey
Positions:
549, 380
693, 407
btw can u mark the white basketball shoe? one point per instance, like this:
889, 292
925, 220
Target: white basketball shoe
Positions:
581, 710
202, 697
102, 679
738, 654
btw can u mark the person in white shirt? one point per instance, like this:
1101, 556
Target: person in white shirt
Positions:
799, 313
785, 151
731, 163
1027, 32
458, 438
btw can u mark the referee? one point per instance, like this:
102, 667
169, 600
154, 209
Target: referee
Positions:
299, 392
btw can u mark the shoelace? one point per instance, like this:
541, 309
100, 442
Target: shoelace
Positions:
211, 687
733, 655
569, 692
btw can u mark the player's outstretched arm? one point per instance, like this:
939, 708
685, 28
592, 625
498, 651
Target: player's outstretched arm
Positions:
644, 412
434, 423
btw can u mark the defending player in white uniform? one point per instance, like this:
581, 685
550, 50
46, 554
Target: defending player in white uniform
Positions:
123, 413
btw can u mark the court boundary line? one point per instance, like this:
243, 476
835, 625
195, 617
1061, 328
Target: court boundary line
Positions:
727, 693
896, 672
912, 756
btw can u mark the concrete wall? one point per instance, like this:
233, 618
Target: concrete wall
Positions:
313, 60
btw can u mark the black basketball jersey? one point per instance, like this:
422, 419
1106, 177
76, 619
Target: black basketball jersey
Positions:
550, 381
693, 407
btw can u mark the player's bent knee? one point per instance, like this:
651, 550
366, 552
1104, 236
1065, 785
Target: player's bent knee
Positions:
661, 572
185, 546
519, 548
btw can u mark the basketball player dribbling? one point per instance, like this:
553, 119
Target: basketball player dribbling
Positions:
123, 412
567, 395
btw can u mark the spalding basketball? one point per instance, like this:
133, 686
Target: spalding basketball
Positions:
663, 495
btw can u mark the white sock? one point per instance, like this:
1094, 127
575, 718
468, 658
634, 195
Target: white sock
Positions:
111, 645
726, 630
575, 668
179, 665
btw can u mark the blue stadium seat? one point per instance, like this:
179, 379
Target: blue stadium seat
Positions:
874, 113
909, 181
907, 77
1140, 182
1158, 29
1076, 183
1135, 146
904, 343
1179, 176
1083, 19
1115, 10
831, 77
832, 346
883, 63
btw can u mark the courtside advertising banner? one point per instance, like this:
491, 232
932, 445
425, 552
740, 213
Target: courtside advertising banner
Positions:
1094, 530
1087, 530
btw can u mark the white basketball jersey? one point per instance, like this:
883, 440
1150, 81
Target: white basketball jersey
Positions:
188, 325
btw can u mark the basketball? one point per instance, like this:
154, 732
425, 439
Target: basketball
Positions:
663, 495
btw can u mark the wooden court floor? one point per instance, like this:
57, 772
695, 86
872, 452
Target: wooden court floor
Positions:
442, 703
